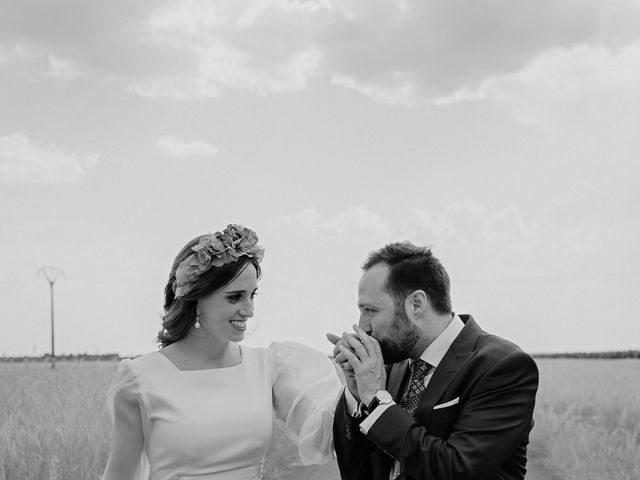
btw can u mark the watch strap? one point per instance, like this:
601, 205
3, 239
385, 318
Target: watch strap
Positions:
372, 405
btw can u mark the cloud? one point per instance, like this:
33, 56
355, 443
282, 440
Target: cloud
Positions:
65, 70
401, 92
177, 148
352, 219
469, 229
222, 67
400, 52
582, 233
493, 243
22, 161
395, 52
230, 47
358, 218
557, 76
16, 51
309, 217
50, 65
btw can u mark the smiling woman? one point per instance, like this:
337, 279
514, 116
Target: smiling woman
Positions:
205, 266
203, 405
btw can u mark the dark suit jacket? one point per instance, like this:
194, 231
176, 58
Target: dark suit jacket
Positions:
483, 437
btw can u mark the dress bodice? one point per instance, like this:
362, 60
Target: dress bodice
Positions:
215, 424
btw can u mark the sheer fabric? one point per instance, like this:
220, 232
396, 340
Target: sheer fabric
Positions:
216, 423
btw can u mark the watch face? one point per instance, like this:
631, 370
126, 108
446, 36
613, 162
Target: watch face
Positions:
384, 396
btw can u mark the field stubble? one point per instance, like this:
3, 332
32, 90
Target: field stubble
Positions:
588, 419
54, 426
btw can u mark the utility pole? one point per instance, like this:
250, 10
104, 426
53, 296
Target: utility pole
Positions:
52, 274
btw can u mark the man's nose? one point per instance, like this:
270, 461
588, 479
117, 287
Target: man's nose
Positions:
364, 323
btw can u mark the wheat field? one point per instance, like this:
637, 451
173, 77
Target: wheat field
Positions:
588, 419
53, 424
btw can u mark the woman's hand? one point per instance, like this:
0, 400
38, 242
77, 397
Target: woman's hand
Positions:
343, 363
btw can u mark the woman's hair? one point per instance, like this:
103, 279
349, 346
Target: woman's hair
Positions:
180, 313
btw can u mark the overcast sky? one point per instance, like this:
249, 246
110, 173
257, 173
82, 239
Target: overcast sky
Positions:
503, 134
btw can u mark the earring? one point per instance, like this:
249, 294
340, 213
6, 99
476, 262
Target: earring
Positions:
197, 325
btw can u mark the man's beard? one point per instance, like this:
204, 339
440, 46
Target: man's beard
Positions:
401, 339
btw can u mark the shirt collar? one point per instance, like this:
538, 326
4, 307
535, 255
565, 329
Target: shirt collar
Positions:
436, 351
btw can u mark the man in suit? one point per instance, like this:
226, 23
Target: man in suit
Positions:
429, 395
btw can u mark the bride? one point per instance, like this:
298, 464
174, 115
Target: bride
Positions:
202, 407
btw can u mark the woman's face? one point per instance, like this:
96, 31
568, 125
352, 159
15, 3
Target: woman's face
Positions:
224, 313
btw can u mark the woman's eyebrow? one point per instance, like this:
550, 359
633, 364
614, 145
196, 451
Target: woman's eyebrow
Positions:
231, 292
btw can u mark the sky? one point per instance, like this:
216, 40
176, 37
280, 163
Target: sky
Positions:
501, 134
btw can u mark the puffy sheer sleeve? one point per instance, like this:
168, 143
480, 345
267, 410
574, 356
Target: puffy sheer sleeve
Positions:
129, 424
305, 392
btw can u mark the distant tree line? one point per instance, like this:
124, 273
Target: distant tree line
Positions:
79, 357
612, 355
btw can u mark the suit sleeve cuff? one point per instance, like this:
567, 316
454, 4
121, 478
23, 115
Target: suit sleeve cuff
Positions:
354, 409
368, 422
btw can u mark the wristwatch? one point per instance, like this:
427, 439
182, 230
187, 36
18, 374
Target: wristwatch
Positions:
381, 397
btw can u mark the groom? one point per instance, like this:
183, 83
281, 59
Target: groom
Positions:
429, 395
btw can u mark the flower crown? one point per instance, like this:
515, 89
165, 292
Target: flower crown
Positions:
216, 250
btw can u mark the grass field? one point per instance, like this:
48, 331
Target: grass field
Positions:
588, 419
53, 425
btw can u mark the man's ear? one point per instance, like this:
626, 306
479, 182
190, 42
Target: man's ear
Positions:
416, 303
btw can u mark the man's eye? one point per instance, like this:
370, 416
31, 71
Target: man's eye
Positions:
234, 298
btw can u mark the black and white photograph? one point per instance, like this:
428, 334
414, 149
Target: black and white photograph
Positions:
319, 239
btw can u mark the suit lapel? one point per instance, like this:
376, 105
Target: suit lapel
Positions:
461, 350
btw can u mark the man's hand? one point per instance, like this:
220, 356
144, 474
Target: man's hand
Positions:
365, 357
341, 360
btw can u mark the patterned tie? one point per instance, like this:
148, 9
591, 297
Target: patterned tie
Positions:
419, 370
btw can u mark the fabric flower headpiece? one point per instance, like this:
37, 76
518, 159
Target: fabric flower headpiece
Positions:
216, 250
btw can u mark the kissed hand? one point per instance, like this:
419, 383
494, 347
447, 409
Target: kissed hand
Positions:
365, 357
338, 357
341, 360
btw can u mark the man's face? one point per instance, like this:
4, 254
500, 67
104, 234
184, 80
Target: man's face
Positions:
380, 318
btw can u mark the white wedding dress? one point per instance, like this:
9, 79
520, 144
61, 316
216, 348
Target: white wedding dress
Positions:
215, 424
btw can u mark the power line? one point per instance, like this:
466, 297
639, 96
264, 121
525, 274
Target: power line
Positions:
52, 274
